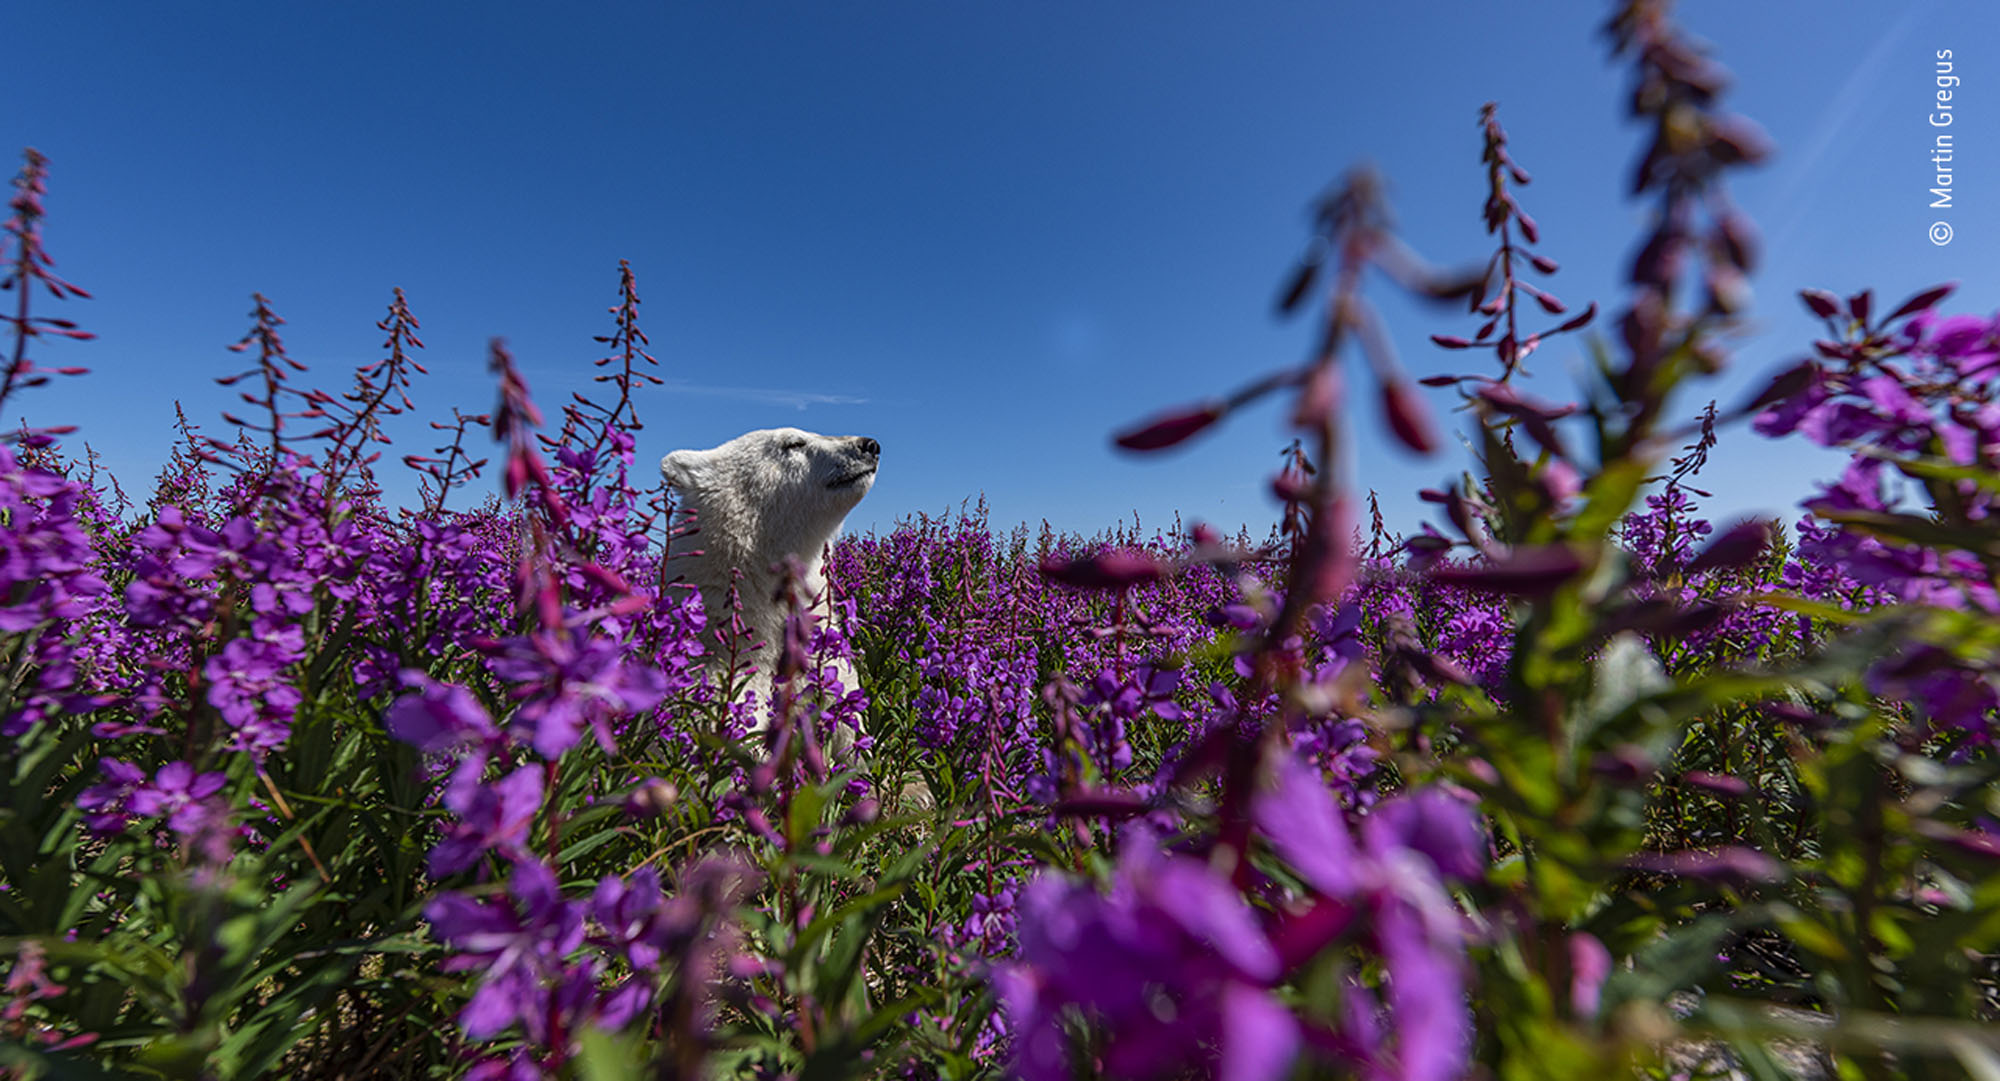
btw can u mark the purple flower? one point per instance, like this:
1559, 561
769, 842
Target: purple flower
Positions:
519, 944
491, 817
247, 685
106, 803
1589, 966
1392, 878
1436, 824
1171, 962
1305, 825
570, 685
178, 794
635, 915
439, 717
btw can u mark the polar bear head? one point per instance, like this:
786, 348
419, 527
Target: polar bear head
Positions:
769, 494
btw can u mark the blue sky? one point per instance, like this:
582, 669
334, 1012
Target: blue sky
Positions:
985, 234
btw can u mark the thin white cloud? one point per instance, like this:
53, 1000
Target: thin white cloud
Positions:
1859, 92
797, 399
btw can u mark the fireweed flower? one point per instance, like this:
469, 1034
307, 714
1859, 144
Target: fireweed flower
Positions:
520, 943
106, 805
1171, 961
570, 681
989, 931
1116, 700
548, 961
491, 817
248, 685
1435, 824
1392, 877
440, 717
49, 580
177, 793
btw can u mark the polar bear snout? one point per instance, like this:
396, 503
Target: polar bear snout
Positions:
864, 456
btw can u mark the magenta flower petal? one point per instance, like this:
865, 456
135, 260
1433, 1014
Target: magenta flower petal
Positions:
1260, 1037
1304, 824
1435, 824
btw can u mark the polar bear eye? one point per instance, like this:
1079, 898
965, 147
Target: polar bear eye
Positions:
792, 444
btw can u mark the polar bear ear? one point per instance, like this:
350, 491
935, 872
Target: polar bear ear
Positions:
681, 468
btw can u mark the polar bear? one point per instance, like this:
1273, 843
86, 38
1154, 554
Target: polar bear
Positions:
755, 501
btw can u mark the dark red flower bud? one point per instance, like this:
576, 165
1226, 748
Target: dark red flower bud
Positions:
609, 579
1408, 417
1550, 304
1732, 863
1858, 305
1625, 764
1543, 263
1456, 284
1301, 934
1450, 341
1105, 570
1171, 428
1661, 259
1528, 227
1427, 544
1977, 843
1823, 304
1295, 291
1589, 313
1435, 669
864, 812
1923, 301
1737, 546
1533, 571
1102, 805
1792, 713
1728, 289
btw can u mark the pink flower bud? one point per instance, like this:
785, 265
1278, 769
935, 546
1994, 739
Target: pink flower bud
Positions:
653, 798
1720, 784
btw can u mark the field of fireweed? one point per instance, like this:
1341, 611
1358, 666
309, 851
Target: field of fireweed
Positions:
1575, 785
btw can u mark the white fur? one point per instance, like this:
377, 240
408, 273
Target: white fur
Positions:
755, 500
